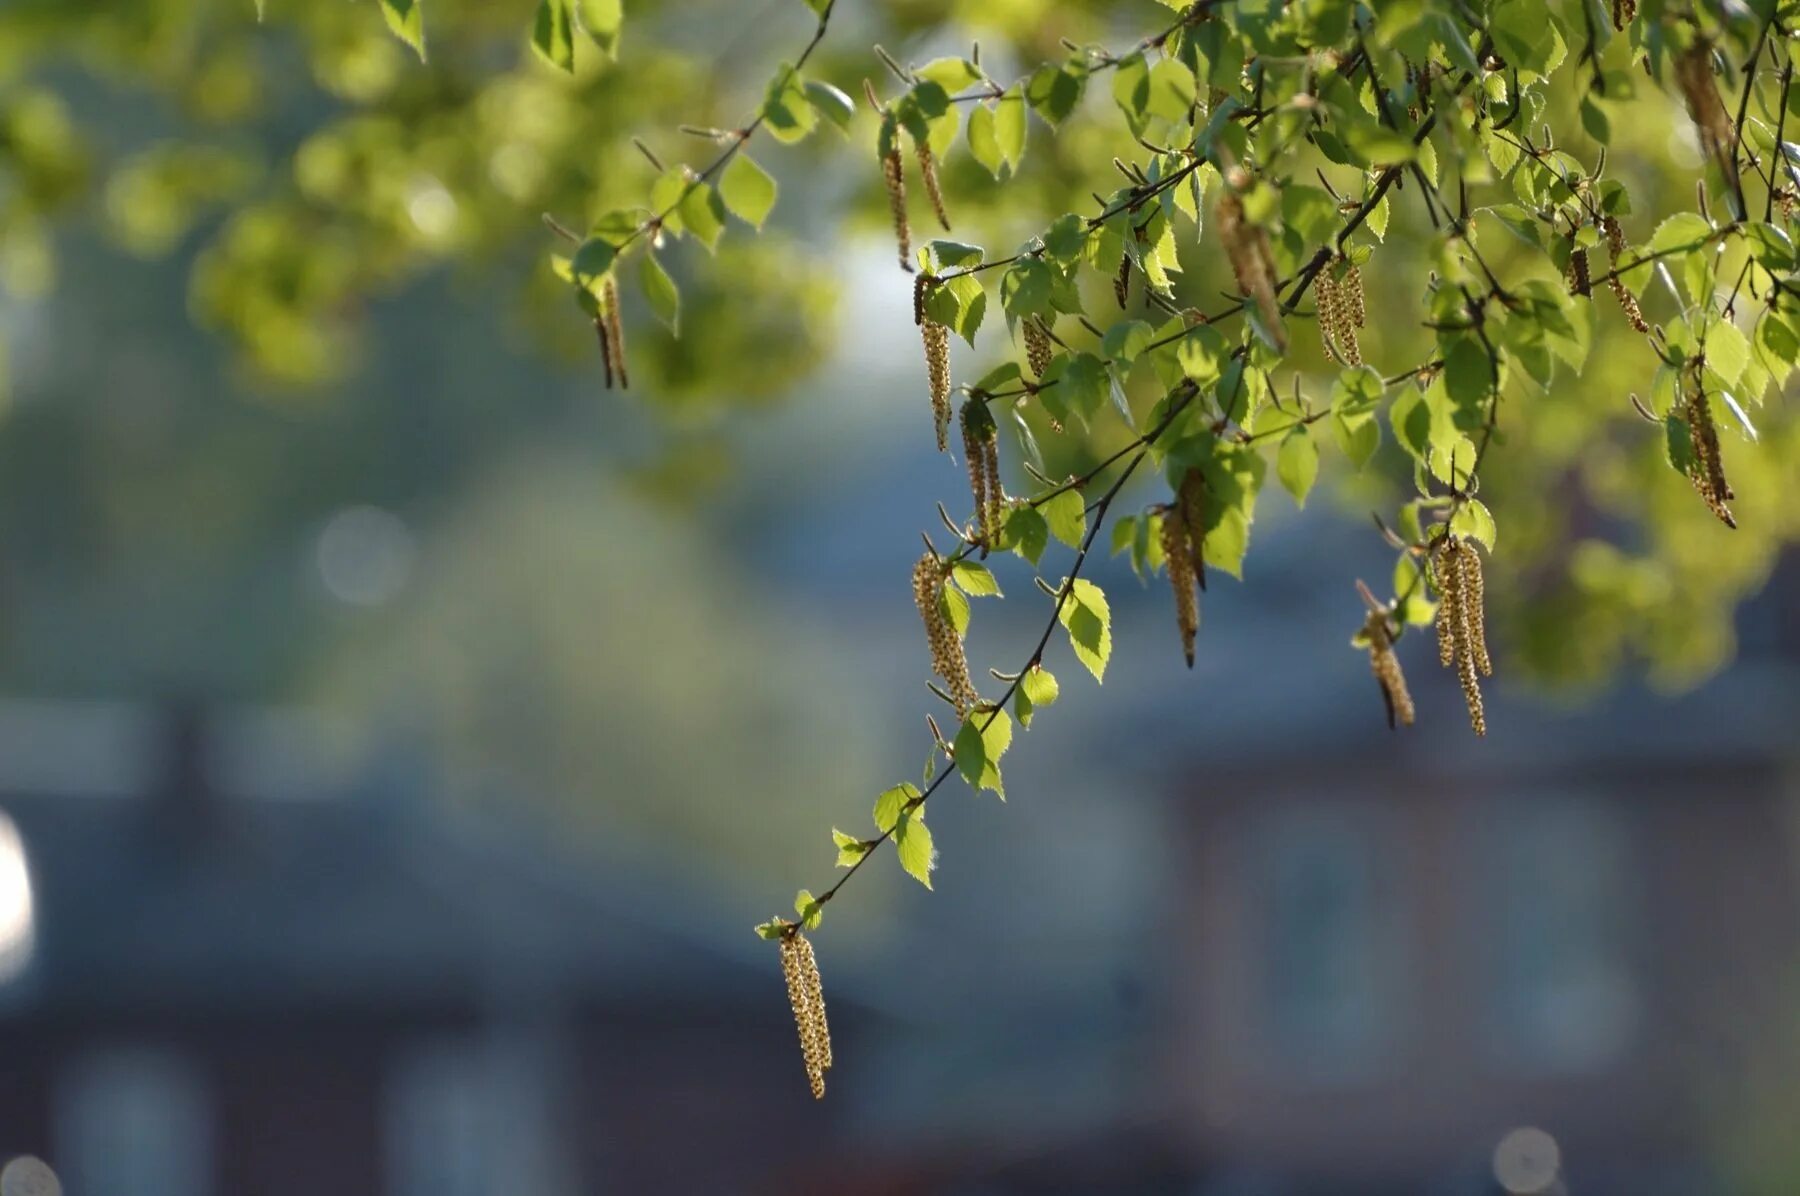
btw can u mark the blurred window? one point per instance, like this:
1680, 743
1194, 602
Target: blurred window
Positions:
1563, 992
134, 1122
471, 1117
1330, 947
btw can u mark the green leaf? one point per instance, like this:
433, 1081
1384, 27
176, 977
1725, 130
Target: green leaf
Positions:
659, 289
952, 74
1009, 127
1727, 351
850, 848
1358, 438
601, 20
810, 911
771, 929
1066, 516
978, 748
975, 579
831, 103
955, 606
912, 843
1053, 92
407, 22
891, 802
592, 260
984, 139
702, 214
786, 112
747, 190
1084, 613
1037, 688
1297, 464
1472, 519
553, 34
1026, 533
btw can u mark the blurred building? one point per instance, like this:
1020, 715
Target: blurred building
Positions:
224, 971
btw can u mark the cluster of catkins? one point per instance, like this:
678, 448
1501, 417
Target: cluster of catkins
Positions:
1615, 248
1718, 135
1706, 470
947, 658
611, 332
894, 178
981, 450
1183, 529
937, 359
807, 996
1252, 262
1461, 623
1340, 313
1385, 664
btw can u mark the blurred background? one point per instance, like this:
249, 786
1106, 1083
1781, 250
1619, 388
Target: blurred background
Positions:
400, 735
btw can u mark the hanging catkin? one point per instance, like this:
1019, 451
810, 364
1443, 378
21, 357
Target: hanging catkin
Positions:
1177, 546
1247, 246
1718, 136
1038, 348
806, 995
614, 334
1615, 249
1462, 634
1707, 469
1578, 273
947, 659
895, 179
1386, 666
928, 172
937, 360
981, 451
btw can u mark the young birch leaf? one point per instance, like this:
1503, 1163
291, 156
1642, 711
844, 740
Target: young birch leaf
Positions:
1066, 516
1088, 620
659, 289
1297, 464
810, 911
1009, 127
971, 754
1036, 688
891, 802
975, 580
984, 139
747, 190
553, 34
912, 842
1473, 520
1025, 533
407, 22
831, 103
850, 849
601, 20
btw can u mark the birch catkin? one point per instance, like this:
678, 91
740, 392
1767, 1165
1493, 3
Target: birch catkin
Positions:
1252, 262
614, 333
1038, 349
1386, 666
806, 995
937, 360
1462, 633
1707, 469
947, 659
1183, 527
1578, 273
981, 452
1615, 248
1718, 136
895, 179
928, 172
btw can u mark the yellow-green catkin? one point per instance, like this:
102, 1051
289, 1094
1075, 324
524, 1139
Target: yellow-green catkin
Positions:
895, 179
1122, 281
1385, 664
1038, 347
1615, 249
1352, 288
937, 361
1707, 471
928, 172
1340, 314
806, 995
1718, 136
1462, 633
981, 452
1252, 263
614, 334
947, 659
